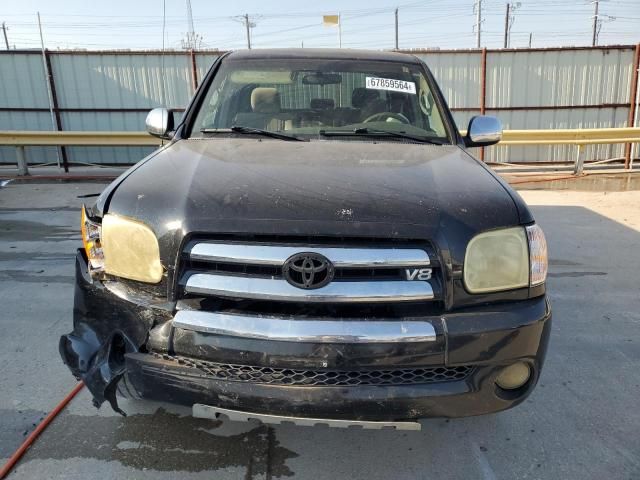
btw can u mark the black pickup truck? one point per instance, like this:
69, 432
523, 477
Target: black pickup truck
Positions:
313, 244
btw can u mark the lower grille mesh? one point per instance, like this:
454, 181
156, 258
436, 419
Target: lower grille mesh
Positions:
340, 378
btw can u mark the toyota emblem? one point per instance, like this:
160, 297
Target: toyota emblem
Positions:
308, 270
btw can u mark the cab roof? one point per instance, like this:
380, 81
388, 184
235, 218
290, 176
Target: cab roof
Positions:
324, 53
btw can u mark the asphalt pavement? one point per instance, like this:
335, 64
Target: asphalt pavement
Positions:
582, 421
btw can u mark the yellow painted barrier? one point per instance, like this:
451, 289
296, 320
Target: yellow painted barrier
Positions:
579, 137
591, 136
38, 138
509, 137
586, 136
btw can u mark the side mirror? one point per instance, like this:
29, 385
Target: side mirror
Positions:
483, 131
159, 123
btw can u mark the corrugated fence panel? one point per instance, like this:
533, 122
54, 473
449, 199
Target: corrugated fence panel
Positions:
118, 81
562, 78
122, 80
22, 82
23, 85
106, 121
458, 75
462, 117
203, 63
136, 81
296, 96
558, 77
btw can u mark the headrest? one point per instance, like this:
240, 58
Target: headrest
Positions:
322, 103
265, 100
362, 96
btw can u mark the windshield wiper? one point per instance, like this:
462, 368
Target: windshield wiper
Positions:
255, 131
378, 132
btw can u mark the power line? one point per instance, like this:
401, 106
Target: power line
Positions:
376, 26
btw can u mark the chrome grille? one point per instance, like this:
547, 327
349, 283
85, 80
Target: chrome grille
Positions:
341, 257
324, 378
254, 271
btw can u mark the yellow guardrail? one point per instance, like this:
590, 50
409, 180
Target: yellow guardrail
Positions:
59, 139
578, 137
587, 136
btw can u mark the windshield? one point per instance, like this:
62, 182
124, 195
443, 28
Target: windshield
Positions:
318, 97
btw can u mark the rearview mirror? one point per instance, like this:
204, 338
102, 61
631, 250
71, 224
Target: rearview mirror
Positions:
320, 78
159, 123
483, 131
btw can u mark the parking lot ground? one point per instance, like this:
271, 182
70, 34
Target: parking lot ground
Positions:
582, 421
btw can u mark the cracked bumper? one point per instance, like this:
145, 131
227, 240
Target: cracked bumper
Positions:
117, 336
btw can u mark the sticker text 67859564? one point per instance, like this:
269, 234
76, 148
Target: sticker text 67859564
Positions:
391, 84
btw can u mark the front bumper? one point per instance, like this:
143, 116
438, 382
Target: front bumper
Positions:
118, 335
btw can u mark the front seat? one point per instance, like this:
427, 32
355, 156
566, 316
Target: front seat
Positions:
265, 110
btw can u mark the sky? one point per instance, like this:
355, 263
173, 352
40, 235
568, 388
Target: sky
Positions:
138, 24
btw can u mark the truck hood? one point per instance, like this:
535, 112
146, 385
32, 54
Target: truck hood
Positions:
318, 188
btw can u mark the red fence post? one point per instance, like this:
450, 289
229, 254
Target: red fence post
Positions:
483, 90
194, 70
632, 103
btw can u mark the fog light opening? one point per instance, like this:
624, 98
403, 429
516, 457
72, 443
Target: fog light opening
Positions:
514, 376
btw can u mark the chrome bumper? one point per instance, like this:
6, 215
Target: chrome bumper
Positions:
206, 411
304, 330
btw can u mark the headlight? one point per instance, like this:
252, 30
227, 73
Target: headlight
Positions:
121, 246
506, 259
130, 249
91, 241
497, 260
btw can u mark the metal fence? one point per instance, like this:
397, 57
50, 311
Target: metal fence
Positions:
113, 90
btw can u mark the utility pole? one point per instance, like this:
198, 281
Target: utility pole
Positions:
530, 38
396, 29
247, 25
506, 27
595, 24
509, 20
478, 6
47, 74
339, 30
6, 40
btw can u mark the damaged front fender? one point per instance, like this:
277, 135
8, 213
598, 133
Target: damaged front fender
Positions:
109, 321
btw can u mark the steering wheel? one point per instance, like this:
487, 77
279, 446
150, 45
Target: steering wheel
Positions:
383, 116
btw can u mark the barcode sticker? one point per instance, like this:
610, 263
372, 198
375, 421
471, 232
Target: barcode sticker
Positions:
391, 84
